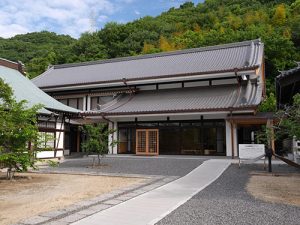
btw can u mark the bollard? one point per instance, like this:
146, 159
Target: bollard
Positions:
269, 154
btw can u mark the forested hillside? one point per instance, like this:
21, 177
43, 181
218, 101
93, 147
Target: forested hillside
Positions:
276, 22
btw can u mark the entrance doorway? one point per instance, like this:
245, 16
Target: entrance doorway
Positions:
200, 137
147, 142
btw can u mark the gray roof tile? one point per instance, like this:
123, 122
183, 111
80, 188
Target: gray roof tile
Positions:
24, 89
241, 55
213, 98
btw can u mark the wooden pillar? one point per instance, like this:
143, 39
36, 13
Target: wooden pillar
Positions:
78, 141
232, 139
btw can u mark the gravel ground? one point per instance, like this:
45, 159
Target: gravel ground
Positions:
227, 202
166, 166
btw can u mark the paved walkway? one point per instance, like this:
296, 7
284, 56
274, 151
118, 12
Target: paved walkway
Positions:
227, 202
152, 206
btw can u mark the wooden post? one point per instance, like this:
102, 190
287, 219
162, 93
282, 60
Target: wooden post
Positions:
78, 141
232, 139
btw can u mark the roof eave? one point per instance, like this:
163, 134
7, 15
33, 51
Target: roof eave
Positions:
251, 108
146, 80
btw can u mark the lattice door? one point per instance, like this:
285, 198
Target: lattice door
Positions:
147, 142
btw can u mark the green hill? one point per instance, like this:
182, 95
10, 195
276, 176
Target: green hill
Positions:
276, 22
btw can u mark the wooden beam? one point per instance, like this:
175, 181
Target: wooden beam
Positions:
232, 140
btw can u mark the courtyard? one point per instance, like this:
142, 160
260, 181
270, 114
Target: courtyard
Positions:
178, 190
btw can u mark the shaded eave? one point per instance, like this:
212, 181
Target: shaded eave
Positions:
233, 70
258, 118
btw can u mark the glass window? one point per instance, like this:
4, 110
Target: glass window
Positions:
73, 102
105, 99
191, 141
221, 140
186, 124
80, 103
169, 140
209, 141
147, 124
94, 102
169, 124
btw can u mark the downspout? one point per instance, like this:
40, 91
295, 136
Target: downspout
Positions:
103, 117
125, 82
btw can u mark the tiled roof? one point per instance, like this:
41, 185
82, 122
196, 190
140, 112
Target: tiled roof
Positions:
286, 73
223, 97
24, 89
214, 59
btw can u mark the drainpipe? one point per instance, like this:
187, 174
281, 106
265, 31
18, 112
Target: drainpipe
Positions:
125, 82
236, 70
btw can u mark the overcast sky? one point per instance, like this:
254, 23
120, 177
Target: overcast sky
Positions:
74, 17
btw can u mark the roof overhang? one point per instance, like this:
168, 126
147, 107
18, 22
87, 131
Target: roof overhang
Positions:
153, 80
174, 113
255, 119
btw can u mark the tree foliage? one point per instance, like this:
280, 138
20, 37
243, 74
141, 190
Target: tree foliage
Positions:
289, 120
18, 127
269, 104
276, 22
96, 139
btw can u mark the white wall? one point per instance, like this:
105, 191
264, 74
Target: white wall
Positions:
60, 135
113, 137
228, 139
49, 154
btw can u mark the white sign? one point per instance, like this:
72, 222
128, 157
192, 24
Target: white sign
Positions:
251, 151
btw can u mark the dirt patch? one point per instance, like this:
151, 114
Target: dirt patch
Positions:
275, 189
32, 194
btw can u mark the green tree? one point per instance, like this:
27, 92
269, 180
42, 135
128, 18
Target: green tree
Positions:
18, 128
269, 104
97, 139
279, 17
89, 47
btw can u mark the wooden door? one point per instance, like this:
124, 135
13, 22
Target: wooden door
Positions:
147, 142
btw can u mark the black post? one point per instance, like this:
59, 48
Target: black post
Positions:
269, 155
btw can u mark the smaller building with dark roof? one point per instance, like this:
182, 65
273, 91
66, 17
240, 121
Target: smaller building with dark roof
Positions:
287, 85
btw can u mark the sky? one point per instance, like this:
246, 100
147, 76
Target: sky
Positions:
74, 17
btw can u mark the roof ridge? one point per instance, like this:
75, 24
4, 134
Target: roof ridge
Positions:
161, 54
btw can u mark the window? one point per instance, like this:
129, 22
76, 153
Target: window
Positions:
94, 102
76, 103
46, 140
73, 102
100, 100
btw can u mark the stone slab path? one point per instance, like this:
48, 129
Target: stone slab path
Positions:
152, 206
